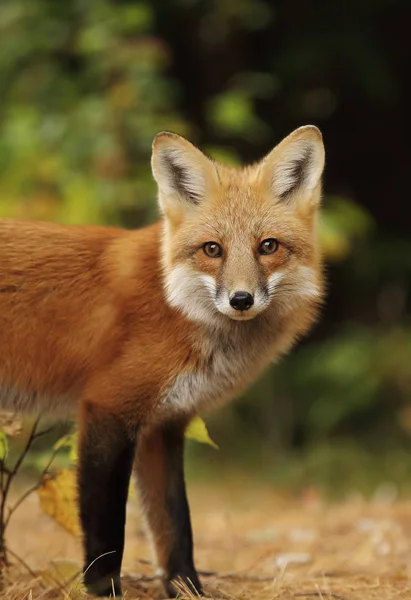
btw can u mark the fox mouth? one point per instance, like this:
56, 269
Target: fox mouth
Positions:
242, 315
239, 315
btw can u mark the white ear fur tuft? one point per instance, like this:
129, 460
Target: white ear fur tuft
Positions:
181, 171
296, 164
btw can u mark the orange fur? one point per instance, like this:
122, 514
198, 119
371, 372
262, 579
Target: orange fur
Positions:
137, 330
77, 318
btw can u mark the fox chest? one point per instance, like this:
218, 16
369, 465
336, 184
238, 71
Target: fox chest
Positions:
227, 371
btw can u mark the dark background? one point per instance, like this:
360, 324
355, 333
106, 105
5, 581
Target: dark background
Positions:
85, 86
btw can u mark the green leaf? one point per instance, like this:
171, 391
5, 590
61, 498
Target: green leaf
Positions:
69, 441
232, 111
334, 242
136, 18
197, 431
4, 445
342, 223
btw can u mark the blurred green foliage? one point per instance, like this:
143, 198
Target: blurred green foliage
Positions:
83, 94
85, 86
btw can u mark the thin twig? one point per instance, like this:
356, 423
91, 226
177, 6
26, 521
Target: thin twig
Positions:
32, 489
319, 593
4, 470
43, 432
26, 566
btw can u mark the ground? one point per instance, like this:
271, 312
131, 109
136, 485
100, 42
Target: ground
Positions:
251, 543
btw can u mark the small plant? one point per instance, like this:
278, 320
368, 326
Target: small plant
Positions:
11, 426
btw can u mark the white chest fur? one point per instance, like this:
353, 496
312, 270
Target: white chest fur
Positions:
228, 364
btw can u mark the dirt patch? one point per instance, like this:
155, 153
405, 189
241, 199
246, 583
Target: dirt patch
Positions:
250, 543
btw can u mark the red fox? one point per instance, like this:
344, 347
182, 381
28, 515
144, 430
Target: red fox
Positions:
137, 331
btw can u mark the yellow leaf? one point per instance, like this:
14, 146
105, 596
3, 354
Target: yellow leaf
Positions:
58, 499
69, 441
197, 431
4, 446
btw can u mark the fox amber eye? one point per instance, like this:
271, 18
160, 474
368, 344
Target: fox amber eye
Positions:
268, 246
212, 249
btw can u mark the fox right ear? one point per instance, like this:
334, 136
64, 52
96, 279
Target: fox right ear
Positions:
182, 172
293, 169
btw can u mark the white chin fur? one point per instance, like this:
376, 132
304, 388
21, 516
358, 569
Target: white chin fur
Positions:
238, 315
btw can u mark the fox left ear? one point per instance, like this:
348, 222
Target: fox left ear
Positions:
294, 167
183, 173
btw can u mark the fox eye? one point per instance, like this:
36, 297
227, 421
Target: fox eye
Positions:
268, 246
212, 249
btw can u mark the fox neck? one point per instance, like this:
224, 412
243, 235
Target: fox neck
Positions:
226, 358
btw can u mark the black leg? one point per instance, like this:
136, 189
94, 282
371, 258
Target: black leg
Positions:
106, 457
180, 562
160, 475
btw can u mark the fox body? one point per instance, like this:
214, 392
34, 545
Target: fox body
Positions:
137, 331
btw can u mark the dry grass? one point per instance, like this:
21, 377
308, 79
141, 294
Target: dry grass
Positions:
257, 545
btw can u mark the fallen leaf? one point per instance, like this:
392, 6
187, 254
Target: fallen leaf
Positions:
197, 431
58, 499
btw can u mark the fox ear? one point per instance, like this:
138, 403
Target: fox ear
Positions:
295, 166
182, 172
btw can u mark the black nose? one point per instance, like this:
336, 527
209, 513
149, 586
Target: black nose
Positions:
241, 301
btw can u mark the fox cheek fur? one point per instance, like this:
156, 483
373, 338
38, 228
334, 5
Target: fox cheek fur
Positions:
138, 331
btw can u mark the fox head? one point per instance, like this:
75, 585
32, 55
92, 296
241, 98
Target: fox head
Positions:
239, 242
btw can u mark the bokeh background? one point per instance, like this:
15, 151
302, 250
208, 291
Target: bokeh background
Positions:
85, 86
